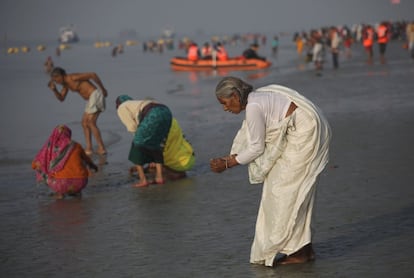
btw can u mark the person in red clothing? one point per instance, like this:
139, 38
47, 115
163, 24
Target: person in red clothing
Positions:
193, 53
221, 52
368, 41
206, 51
62, 163
382, 39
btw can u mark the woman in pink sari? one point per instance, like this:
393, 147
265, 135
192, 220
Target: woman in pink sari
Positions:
62, 163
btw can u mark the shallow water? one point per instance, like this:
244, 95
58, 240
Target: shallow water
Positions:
202, 226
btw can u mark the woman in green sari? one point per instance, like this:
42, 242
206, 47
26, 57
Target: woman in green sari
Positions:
158, 140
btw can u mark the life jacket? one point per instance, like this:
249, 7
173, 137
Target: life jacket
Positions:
206, 51
382, 33
192, 54
222, 54
368, 38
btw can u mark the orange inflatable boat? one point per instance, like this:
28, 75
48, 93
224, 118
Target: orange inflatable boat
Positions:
183, 64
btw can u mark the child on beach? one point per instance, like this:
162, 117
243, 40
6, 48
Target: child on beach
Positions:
95, 97
62, 163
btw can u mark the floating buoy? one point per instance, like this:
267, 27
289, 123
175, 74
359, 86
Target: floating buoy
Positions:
25, 49
102, 44
41, 47
131, 42
64, 46
97, 44
12, 50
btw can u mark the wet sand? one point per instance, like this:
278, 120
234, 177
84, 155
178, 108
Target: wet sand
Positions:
203, 226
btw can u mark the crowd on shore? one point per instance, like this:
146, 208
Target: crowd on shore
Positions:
313, 46
317, 42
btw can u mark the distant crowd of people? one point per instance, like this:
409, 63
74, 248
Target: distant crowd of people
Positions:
158, 45
317, 43
313, 45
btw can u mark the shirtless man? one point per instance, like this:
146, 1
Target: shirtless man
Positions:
80, 83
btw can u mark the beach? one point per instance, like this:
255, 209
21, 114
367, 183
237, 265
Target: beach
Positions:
203, 225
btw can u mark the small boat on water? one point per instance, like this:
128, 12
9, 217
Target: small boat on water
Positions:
237, 63
67, 34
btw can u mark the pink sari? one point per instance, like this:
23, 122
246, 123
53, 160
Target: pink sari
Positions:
54, 153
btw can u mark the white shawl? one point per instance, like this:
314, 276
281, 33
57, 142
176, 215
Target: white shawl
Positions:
288, 176
275, 140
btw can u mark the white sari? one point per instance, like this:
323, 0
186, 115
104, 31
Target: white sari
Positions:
296, 151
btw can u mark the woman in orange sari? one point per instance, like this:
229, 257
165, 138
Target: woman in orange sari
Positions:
62, 163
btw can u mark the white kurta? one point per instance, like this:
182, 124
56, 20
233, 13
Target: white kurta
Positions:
296, 151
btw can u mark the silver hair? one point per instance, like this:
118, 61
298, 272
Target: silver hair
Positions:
228, 85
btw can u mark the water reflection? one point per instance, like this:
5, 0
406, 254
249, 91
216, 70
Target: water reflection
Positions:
195, 76
63, 221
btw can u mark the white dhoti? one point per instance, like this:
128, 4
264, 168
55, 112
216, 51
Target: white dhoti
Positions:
296, 151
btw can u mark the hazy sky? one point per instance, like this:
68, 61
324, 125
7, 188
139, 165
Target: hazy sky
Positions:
31, 19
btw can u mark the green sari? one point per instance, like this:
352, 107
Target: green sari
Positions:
151, 135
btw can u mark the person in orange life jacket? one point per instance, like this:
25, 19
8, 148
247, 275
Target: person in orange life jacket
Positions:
193, 53
251, 52
221, 52
368, 41
206, 51
382, 39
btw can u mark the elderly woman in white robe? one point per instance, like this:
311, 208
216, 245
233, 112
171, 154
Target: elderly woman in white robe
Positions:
284, 140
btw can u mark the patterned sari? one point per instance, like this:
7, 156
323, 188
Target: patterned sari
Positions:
54, 153
151, 135
51, 162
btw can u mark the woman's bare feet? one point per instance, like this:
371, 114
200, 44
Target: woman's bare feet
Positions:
159, 181
303, 255
141, 184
